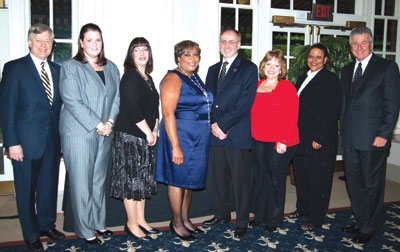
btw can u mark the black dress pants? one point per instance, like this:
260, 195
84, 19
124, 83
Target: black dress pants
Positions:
313, 173
270, 171
365, 174
231, 164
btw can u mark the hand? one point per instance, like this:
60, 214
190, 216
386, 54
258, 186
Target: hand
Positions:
100, 128
155, 138
281, 148
316, 145
16, 153
217, 132
151, 140
379, 142
107, 130
177, 156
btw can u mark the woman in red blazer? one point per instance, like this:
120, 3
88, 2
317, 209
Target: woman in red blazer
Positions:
275, 135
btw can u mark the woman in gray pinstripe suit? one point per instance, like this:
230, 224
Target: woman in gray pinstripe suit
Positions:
89, 90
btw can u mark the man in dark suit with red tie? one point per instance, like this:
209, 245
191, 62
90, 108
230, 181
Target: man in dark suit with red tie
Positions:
233, 83
371, 108
29, 114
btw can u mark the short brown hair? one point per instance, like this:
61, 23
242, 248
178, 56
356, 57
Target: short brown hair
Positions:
278, 55
184, 45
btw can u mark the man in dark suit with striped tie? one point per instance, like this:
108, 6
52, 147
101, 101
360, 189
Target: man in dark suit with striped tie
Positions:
29, 115
233, 82
370, 111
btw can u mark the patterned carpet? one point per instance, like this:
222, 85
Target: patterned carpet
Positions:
289, 238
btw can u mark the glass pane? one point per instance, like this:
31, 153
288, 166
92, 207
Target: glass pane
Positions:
391, 57
389, 7
226, 1
378, 35
345, 6
325, 36
62, 52
62, 19
245, 2
378, 7
245, 53
246, 25
391, 34
296, 39
279, 40
280, 4
227, 18
303, 5
330, 2
39, 12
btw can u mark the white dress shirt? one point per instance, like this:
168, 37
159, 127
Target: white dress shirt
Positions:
37, 63
310, 76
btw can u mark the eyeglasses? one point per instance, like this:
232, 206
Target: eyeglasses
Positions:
230, 42
310, 57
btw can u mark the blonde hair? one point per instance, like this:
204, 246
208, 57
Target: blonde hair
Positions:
278, 55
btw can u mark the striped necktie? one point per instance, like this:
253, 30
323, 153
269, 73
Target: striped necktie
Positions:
46, 83
357, 78
222, 75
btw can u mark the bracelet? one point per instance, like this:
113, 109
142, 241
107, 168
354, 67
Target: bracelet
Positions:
155, 131
111, 122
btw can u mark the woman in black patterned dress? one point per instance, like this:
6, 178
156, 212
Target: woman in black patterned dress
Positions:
135, 137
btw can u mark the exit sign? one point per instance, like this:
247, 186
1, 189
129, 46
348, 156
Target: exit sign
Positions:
321, 12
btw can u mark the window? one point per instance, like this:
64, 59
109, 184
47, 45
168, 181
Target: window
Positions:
56, 14
239, 15
385, 29
343, 6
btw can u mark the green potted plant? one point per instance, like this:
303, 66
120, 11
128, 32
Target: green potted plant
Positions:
338, 57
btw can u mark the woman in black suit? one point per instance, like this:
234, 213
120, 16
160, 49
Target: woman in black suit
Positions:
320, 97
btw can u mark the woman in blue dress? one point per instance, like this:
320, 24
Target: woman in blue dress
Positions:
184, 134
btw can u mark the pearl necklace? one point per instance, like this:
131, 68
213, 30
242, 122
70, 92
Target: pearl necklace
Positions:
197, 83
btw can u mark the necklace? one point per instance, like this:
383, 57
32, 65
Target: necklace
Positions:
143, 75
146, 79
203, 90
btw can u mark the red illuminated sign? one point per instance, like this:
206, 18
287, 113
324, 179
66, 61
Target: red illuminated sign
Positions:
321, 12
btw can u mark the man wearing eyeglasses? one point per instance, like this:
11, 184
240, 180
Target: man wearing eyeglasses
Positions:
371, 108
233, 82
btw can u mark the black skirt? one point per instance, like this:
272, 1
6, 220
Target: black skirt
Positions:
133, 164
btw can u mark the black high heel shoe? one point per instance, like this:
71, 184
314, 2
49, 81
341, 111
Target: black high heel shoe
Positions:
129, 232
104, 233
185, 238
95, 241
195, 231
151, 231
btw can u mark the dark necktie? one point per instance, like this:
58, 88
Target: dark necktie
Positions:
357, 78
46, 83
222, 74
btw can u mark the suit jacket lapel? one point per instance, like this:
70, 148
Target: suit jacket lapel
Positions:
215, 78
367, 72
349, 75
231, 72
300, 81
55, 77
